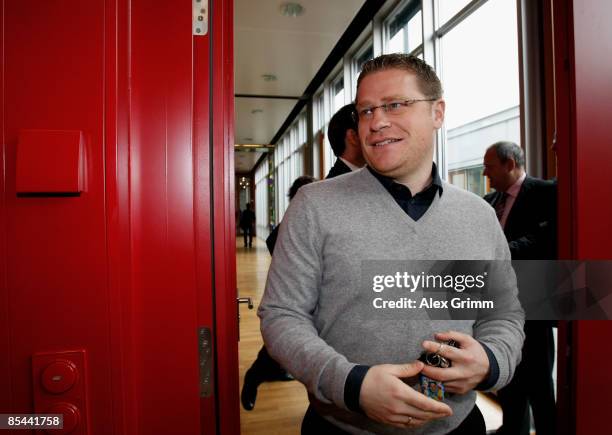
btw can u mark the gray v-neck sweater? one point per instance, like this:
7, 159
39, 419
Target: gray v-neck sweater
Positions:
312, 315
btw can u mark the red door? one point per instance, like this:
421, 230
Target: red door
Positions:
582, 76
117, 280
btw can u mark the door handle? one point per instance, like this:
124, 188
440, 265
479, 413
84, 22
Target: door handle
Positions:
247, 301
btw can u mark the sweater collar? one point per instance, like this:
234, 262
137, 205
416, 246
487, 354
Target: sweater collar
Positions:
388, 182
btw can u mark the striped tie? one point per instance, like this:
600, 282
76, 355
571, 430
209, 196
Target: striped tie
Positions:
500, 205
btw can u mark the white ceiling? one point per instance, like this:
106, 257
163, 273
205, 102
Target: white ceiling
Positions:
245, 160
293, 49
259, 127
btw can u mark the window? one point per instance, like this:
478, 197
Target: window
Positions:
447, 9
317, 130
482, 100
366, 55
469, 179
405, 30
261, 199
363, 55
335, 102
337, 94
289, 161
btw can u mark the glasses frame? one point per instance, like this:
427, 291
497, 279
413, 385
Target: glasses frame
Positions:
386, 107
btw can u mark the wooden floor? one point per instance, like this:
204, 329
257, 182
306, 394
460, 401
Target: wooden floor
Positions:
280, 405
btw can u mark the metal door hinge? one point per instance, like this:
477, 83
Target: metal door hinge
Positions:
200, 17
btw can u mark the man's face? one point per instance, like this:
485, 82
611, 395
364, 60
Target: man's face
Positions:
397, 146
498, 172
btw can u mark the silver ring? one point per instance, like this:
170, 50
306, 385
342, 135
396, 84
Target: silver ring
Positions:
409, 420
440, 348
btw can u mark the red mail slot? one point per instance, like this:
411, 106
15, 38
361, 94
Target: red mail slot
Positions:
50, 161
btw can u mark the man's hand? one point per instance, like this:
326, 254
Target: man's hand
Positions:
470, 364
386, 399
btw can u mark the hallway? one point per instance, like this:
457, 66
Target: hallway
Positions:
281, 405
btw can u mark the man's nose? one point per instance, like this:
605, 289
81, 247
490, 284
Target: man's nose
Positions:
379, 119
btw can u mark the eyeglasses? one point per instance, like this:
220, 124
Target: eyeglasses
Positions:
393, 108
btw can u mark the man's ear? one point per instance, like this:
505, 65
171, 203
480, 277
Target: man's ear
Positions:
352, 138
438, 108
510, 165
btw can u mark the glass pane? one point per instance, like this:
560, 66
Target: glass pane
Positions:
470, 179
338, 100
476, 181
448, 8
481, 87
396, 43
405, 29
365, 56
400, 19
415, 32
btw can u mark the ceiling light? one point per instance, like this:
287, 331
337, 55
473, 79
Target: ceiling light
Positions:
291, 9
269, 77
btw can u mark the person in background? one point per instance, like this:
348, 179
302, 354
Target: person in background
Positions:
247, 222
344, 141
264, 368
526, 208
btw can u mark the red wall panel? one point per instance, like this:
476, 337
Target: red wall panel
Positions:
224, 215
162, 218
593, 84
5, 381
57, 290
593, 92
583, 74
125, 270
116, 131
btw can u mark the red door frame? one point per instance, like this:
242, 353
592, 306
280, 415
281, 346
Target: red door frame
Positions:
582, 73
117, 172
224, 247
213, 191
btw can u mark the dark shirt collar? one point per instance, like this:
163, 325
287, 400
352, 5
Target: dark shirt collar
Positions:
389, 183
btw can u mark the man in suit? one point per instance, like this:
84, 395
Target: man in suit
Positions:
526, 208
247, 222
344, 141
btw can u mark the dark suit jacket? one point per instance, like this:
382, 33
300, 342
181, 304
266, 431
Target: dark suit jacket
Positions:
531, 227
339, 168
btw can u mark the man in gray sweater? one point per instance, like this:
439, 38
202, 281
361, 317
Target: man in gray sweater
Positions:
360, 368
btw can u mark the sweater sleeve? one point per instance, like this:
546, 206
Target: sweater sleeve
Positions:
502, 333
290, 301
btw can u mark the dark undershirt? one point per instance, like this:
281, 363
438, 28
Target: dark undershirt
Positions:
414, 206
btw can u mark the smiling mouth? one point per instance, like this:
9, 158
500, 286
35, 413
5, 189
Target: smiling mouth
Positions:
382, 143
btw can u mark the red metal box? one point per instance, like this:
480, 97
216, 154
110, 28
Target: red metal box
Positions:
50, 161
